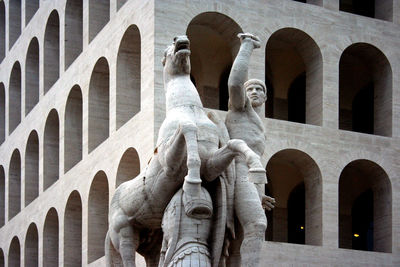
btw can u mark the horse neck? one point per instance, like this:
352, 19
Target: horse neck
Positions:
180, 91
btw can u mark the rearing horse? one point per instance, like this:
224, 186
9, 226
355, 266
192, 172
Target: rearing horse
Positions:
188, 151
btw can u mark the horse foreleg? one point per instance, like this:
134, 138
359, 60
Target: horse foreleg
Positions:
128, 243
172, 153
192, 183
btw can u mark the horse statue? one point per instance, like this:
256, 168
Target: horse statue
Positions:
189, 151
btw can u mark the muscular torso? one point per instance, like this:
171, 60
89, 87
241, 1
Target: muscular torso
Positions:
246, 125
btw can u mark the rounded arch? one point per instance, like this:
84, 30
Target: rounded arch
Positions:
2, 31
212, 79
365, 90
294, 175
2, 196
14, 185
31, 7
51, 148
128, 76
2, 113
99, 15
51, 50
32, 168
290, 53
129, 166
32, 246
365, 207
50, 238
97, 216
73, 128
99, 101
32, 75
73, 230
14, 97
73, 30
14, 21
14, 253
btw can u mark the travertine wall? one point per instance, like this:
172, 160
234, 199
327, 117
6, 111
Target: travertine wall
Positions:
87, 172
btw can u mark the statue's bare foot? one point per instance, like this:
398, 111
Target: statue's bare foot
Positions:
250, 37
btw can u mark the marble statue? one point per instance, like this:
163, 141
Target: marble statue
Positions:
188, 152
246, 98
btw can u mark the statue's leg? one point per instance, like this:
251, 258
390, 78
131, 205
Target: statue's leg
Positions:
252, 217
128, 244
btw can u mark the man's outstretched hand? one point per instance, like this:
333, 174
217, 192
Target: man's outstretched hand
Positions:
268, 202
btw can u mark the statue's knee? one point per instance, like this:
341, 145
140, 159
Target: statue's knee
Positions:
257, 228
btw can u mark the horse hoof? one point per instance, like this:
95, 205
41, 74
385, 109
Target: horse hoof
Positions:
198, 207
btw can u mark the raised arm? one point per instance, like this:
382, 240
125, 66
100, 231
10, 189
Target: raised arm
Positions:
239, 71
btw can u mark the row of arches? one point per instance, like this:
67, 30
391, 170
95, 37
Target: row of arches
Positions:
128, 105
128, 85
364, 203
364, 198
294, 75
97, 212
99, 15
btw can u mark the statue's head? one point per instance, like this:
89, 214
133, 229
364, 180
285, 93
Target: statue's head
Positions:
256, 91
176, 58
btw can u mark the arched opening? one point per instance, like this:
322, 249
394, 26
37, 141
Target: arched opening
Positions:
365, 90
99, 104
73, 129
297, 100
51, 52
51, 149
32, 168
14, 21
2, 31
31, 7
14, 253
369, 8
73, 30
294, 69
32, 247
128, 76
14, 97
295, 179
120, 3
50, 239
129, 166
97, 216
14, 185
32, 76
214, 45
2, 197
365, 207
73, 231
296, 215
99, 15
2, 113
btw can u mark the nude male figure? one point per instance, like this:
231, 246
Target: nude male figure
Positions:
243, 122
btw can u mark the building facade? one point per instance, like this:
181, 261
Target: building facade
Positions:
82, 99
